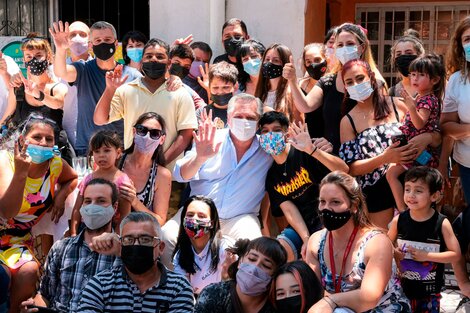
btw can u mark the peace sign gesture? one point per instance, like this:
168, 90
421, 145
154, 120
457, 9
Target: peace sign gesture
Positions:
114, 78
204, 81
30, 88
21, 159
60, 34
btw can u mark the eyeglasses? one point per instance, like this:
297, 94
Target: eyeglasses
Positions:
143, 240
154, 133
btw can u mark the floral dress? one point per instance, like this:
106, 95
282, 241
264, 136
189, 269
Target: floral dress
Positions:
369, 143
431, 103
38, 197
393, 299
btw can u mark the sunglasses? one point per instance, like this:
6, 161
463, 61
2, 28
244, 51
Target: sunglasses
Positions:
154, 133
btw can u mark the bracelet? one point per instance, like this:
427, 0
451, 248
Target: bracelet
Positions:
330, 302
41, 96
314, 150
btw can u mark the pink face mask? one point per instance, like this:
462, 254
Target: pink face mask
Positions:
78, 45
194, 71
252, 280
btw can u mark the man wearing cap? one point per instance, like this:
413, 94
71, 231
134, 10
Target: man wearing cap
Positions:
70, 262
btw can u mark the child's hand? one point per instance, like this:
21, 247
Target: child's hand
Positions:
418, 255
410, 101
399, 253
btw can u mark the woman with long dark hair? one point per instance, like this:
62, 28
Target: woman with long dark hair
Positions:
144, 163
200, 249
272, 88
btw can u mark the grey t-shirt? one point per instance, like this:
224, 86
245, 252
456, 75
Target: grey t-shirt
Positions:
91, 84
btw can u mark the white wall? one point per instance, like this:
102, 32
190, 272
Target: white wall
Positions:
272, 21
267, 20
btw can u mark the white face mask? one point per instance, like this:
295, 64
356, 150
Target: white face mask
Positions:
360, 92
95, 216
347, 53
243, 129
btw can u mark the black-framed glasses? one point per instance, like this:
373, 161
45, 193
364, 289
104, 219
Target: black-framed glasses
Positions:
142, 131
144, 240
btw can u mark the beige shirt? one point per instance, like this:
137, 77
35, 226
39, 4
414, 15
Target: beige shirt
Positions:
134, 99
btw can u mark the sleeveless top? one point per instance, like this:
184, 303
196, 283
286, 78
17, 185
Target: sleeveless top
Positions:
146, 194
393, 299
24, 109
38, 197
370, 143
421, 279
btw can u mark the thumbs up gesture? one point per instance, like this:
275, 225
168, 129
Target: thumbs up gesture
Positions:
288, 72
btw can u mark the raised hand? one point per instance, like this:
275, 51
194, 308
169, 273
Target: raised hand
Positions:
204, 81
288, 72
204, 140
60, 34
21, 159
409, 100
114, 78
300, 138
30, 88
184, 41
3, 65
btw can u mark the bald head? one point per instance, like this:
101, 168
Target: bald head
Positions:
79, 28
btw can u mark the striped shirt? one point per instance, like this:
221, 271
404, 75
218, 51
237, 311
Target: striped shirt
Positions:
69, 265
113, 291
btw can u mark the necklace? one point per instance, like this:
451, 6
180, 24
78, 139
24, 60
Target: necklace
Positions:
365, 114
285, 169
337, 283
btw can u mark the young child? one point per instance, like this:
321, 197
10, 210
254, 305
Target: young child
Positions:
427, 77
222, 86
105, 148
424, 240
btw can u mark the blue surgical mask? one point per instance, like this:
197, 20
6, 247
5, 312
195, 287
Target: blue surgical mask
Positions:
360, 92
40, 154
466, 48
252, 67
347, 53
135, 54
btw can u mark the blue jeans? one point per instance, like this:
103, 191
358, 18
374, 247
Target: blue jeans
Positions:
465, 180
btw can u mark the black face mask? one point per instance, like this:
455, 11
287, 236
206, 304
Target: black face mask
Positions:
316, 70
291, 304
403, 63
154, 70
137, 259
232, 45
270, 70
222, 99
37, 67
333, 220
104, 51
179, 70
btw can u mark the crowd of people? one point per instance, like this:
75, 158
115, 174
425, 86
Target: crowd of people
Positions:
301, 192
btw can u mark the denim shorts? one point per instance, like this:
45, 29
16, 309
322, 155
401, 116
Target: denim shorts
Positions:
293, 239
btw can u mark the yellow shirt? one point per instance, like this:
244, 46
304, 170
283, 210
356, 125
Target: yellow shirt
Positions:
134, 99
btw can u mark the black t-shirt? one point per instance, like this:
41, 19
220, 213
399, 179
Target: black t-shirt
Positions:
333, 109
421, 279
218, 115
242, 75
300, 184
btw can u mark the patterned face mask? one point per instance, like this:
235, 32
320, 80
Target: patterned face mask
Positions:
272, 143
37, 67
196, 228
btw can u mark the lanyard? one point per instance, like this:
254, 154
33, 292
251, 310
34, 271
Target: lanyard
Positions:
337, 284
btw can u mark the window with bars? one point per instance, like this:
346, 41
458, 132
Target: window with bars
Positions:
386, 22
20, 17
